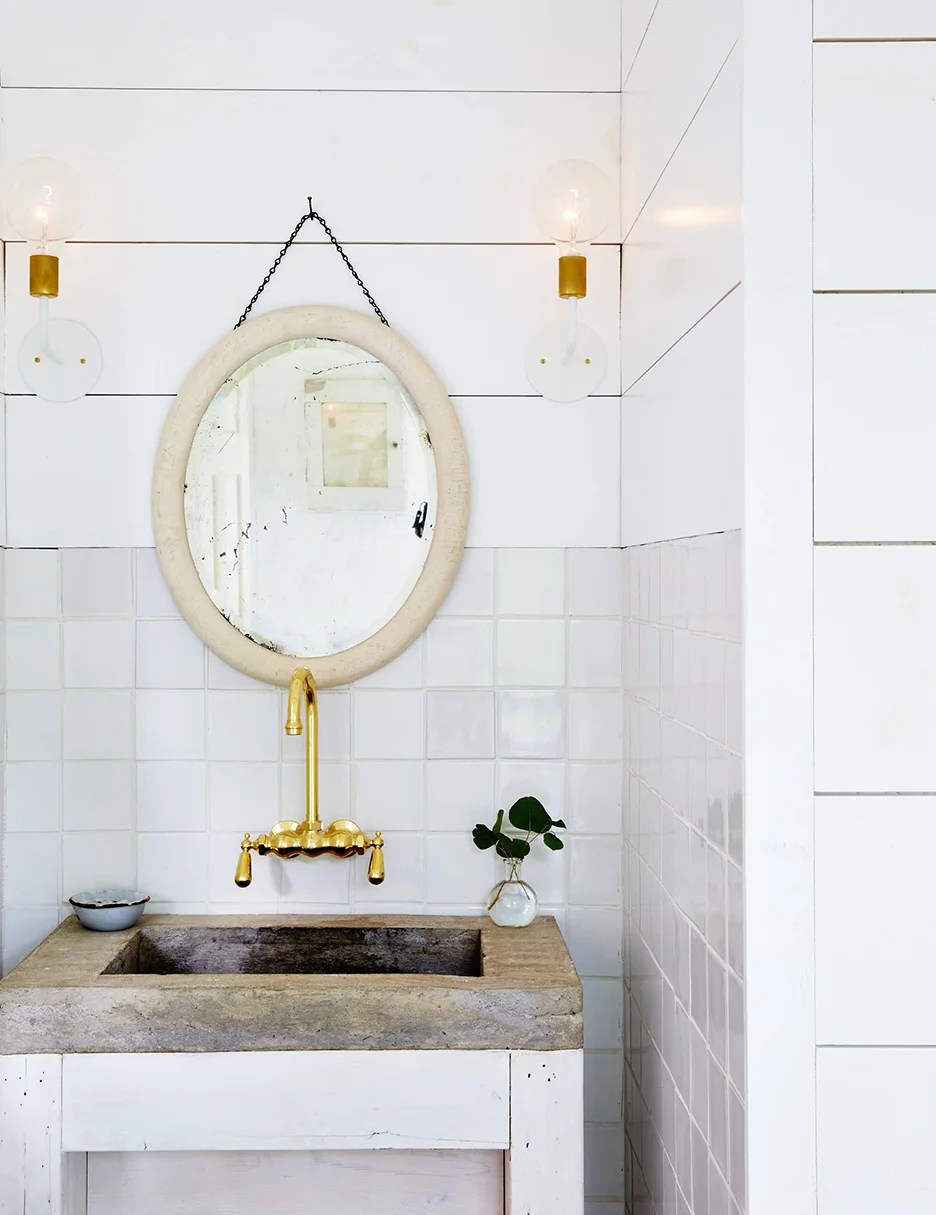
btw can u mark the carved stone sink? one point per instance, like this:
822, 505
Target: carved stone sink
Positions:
272, 950
277, 982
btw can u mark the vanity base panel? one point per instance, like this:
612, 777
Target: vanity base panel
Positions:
56, 1109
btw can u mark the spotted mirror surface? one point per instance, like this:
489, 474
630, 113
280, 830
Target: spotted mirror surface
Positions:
310, 497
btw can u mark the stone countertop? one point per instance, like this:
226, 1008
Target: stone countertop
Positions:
526, 997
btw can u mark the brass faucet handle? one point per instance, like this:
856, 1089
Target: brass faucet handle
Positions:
375, 870
243, 874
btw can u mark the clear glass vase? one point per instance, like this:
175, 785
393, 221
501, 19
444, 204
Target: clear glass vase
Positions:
512, 902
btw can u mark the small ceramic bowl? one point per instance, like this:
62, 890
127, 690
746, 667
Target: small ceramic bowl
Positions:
109, 910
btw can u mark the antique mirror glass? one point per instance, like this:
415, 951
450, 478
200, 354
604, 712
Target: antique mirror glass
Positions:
310, 497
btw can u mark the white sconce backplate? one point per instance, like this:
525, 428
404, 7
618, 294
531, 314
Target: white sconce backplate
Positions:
565, 362
61, 361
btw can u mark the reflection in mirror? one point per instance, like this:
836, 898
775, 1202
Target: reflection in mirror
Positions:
310, 497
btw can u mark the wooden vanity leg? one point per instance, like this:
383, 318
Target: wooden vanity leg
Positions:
33, 1180
545, 1163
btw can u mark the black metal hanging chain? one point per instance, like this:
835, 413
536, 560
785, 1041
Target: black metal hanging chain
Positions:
312, 214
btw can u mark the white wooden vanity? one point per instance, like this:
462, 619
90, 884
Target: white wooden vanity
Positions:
512, 1113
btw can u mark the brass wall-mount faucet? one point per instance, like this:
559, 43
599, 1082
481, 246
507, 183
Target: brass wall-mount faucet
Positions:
287, 838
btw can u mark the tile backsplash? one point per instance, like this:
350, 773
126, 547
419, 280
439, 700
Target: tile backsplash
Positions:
683, 842
134, 755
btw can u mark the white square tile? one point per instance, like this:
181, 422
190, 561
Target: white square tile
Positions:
403, 859
595, 654
174, 867
243, 726
595, 798
170, 725
171, 795
226, 678
460, 653
23, 930
152, 594
334, 721
532, 778
389, 794
32, 796
458, 792
98, 653
595, 581
531, 653
33, 725
604, 1013
30, 870
32, 582
98, 860
168, 655
472, 592
530, 725
97, 795
594, 871
334, 792
97, 725
460, 725
96, 582
405, 671
388, 725
596, 725
530, 581
223, 855
604, 1084
457, 873
595, 940
324, 880
241, 795
33, 654
604, 1161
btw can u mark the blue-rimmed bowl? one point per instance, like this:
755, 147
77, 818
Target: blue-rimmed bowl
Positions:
109, 910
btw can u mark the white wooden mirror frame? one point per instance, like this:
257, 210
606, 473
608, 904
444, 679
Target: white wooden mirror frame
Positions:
448, 539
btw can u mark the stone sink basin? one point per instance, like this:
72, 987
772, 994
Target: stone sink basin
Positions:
269, 949
234, 983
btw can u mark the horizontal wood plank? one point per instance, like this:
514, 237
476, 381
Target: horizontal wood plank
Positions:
279, 1101
313, 44
296, 1183
237, 166
156, 309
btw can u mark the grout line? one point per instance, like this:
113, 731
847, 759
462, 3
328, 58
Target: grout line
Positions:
870, 39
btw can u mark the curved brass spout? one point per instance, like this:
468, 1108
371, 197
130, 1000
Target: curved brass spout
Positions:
289, 838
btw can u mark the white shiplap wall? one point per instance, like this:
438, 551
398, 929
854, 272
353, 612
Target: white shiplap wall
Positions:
681, 464
420, 129
875, 591
840, 275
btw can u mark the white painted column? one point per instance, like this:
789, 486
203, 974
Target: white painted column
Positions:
546, 1159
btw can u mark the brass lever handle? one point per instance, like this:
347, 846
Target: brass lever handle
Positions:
375, 870
243, 874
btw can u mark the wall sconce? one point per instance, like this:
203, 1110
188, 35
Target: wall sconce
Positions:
59, 359
566, 361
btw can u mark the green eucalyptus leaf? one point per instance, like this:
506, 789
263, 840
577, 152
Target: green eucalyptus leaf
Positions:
483, 837
553, 842
557, 822
529, 814
499, 822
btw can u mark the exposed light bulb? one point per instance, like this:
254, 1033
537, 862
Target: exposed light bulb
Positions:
573, 202
45, 200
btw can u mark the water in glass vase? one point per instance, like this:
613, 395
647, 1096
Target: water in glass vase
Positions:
512, 902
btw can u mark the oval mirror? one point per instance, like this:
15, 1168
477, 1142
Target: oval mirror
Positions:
310, 496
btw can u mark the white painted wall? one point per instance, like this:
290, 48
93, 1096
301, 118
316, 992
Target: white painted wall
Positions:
135, 756
840, 276
680, 313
